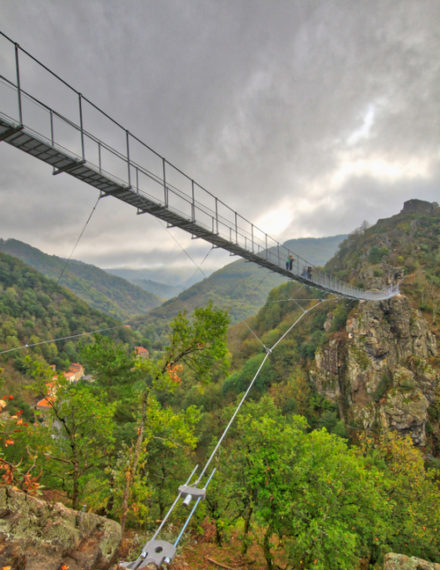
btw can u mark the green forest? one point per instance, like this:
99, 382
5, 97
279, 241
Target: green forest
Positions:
304, 480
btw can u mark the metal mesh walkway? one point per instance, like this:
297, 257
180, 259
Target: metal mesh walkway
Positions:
133, 172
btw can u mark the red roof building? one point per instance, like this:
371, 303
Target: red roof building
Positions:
141, 352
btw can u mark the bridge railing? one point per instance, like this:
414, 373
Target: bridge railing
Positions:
67, 120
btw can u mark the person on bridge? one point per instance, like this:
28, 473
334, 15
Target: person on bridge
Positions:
291, 259
309, 272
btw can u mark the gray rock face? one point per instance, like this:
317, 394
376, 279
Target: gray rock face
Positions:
37, 535
402, 562
378, 372
419, 207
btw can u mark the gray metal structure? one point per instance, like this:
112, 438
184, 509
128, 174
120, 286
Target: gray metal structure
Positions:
128, 169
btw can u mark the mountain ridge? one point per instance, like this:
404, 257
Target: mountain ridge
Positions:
240, 287
110, 294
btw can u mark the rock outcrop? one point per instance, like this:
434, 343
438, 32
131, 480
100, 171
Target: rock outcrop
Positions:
37, 535
421, 207
378, 370
402, 562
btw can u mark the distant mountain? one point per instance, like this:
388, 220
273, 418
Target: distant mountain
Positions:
240, 287
316, 250
34, 309
142, 278
174, 280
107, 293
160, 289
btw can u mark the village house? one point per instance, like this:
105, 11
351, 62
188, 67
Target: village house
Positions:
141, 352
74, 374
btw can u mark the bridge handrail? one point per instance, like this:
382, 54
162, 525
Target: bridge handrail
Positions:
241, 231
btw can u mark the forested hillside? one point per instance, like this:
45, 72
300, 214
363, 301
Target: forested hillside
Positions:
33, 310
107, 293
361, 366
329, 464
240, 287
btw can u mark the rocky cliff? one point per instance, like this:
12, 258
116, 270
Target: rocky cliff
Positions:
382, 367
37, 535
379, 370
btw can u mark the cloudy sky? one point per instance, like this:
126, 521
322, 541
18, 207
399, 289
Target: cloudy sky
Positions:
306, 116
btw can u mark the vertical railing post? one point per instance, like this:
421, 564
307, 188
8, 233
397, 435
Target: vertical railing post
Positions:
216, 215
278, 253
165, 189
236, 229
193, 202
267, 253
17, 70
137, 179
127, 138
99, 158
252, 237
81, 126
52, 140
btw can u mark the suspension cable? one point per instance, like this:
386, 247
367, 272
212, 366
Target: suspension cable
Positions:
67, 261
59, 339
266, 356
188, 255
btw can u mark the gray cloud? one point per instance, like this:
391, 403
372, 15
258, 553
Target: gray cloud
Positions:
309, 116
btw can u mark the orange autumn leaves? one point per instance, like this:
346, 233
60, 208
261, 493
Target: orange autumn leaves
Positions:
174, 372
10, 473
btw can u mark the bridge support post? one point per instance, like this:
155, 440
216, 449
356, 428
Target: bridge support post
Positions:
127, 138
17, 71
193, 203
81, 126
165, 189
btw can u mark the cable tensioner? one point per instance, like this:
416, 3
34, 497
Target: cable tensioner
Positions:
159, 552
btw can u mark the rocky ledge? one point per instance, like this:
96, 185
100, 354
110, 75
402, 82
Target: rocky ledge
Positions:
38, 535
402, 562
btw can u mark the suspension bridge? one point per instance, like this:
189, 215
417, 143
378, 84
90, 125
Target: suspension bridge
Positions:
120, 164
72, 134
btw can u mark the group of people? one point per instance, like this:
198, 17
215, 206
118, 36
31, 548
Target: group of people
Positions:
307, 271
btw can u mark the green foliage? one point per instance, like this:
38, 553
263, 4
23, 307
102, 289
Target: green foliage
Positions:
34, 309
377, 254
310, 489
239, 381
340, 315
199, 343
310, 345
413, 493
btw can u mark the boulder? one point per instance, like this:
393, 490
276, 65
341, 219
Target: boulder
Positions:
402, 562
38, 535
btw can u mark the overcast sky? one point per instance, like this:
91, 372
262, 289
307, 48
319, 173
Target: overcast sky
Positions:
306, 116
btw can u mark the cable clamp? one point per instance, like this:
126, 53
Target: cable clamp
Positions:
155, 552
267, 349
189, 493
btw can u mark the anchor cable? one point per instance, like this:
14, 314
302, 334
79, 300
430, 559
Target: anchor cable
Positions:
67, 261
